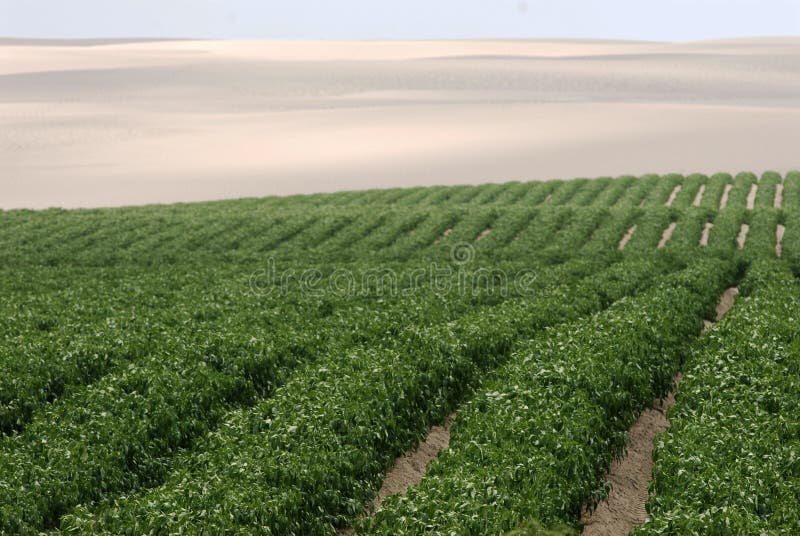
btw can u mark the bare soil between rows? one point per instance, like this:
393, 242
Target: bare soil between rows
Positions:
409, 468
626, 238
698, 199
667, 235
751, 197
624, 509
723, 202
673, 195
706, 234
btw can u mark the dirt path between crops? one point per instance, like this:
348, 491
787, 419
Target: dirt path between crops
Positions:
483, 234
723, 202
629, 477
779, 196
626, 238
742, 238
706, 233
726, 302
445, 234
624, 509
673, 195
698, 199
751, 197
779, 242
409, 468
667, 235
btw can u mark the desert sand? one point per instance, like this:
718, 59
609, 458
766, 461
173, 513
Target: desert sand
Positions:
104, 123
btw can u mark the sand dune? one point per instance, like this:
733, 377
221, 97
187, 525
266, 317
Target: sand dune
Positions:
159, 121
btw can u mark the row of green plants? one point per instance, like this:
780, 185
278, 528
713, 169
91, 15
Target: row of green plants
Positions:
638, 191
791, 240
715, 187
730, 462
690, 186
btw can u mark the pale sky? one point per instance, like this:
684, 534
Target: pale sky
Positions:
663, 20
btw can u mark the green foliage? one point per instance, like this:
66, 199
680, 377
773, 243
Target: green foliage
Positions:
533, 441
146, 386
729, 463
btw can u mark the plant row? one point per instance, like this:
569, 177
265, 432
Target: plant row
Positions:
730, 462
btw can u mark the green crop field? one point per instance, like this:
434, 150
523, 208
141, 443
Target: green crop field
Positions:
256, 366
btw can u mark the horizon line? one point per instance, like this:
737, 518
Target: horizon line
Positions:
141, 39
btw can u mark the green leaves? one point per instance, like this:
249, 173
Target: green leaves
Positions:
532, 443
728, 464
145, 388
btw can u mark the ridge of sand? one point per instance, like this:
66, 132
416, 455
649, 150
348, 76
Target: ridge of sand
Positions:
723, 202
445, 234
673, 195
751, 197
409, 468
698, 199
726, 302
742, 238
667, 235
630, 476
624, 509
780, 231
626, 238
706, 233
778, 196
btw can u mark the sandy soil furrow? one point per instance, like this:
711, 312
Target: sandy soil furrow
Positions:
624, 509
751, 197
627, 238
742, 238
409, 468
726, 301
706, 234
779, 242
779, 196
483, 234
698, 199
445, 234
673, 195
723, 202
667, 235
